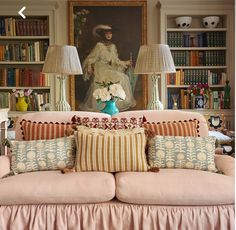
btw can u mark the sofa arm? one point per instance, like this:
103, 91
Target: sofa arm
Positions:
4, 165
225, 164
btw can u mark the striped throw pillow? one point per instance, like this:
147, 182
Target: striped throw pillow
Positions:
173, 128
42, 131
110, 150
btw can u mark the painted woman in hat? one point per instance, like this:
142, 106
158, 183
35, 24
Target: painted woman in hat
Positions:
103, 64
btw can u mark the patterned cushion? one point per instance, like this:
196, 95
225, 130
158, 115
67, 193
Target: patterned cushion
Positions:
41, 131
174, 128
108, 123
182, 152
110, 150
37, 155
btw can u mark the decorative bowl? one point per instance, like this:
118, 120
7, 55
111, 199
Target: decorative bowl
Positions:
211, 21
183, 21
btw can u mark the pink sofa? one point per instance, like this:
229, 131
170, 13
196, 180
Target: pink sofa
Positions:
171, 199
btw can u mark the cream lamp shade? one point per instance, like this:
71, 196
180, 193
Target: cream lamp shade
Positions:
154, 59
61, 61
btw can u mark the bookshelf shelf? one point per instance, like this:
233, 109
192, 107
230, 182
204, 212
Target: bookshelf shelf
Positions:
28, 87
186, 86
21, 63
200, 29
198, 48
201, 67
24, 37
201, 55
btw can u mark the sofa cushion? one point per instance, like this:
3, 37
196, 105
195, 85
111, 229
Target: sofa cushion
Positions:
168, 116
220, 137
36, 155
108, 123
53, 187
110, 150
182, 152
174, 128
175, 187
43, 130
59, 117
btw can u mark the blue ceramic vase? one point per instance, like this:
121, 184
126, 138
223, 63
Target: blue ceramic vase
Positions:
110, 107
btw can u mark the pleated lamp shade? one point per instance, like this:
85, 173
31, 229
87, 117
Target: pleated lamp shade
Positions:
62, 60
154, 58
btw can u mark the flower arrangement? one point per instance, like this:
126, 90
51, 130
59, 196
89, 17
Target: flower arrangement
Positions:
199, 90
109, 91
22, 92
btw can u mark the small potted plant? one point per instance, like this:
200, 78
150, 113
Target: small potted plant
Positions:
201, 93
109, 93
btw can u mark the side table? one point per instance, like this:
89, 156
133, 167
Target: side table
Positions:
3, 128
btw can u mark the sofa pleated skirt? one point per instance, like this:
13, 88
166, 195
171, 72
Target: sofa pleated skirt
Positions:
115, 215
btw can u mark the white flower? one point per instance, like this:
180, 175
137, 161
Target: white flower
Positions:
116, 90
109, 91
22, 92
105, 95
102, 94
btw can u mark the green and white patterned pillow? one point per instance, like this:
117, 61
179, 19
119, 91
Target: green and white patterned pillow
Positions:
182, 152
41, 155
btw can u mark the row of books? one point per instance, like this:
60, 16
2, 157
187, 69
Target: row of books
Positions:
16, 77
35, 101
206, 39
10, 26
199, 58
24, 51
195, 76
187, 101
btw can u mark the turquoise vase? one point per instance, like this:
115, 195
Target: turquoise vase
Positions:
110, 107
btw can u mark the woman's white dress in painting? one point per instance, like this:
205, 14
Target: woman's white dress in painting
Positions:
107, 67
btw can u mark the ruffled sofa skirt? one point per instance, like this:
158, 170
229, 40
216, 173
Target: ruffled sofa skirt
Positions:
116, 215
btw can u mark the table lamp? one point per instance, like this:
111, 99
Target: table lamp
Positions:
154, 59
62, 61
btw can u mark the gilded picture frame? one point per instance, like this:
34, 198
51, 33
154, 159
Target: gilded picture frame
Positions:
129, 22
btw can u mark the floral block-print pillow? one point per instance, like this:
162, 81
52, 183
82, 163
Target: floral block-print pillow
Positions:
38, 155
182, 152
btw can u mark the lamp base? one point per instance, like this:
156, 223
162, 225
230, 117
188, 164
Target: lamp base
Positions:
62, 106
155, 103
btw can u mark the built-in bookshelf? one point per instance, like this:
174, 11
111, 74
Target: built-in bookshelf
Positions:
23, 47
201, 55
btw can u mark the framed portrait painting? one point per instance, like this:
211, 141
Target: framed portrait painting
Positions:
107, 35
